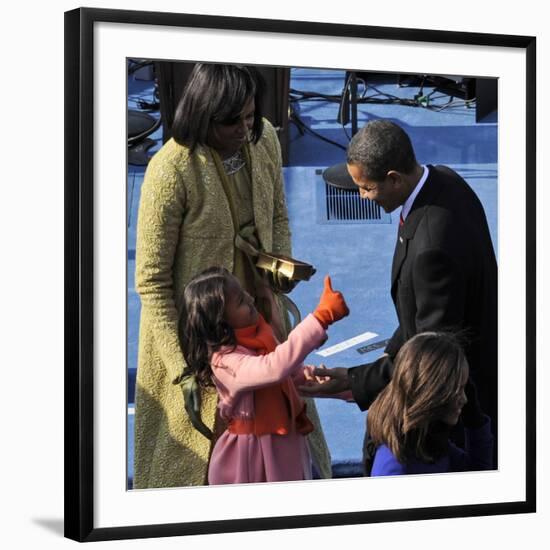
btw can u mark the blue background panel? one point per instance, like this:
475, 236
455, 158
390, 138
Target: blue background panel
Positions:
357, 255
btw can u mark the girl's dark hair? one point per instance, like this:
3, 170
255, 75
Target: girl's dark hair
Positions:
204, 329
216, 94
407, 413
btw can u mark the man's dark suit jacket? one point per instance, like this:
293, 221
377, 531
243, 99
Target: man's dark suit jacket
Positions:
444, 277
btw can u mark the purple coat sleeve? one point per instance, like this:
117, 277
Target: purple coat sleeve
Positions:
385, 464
478, 454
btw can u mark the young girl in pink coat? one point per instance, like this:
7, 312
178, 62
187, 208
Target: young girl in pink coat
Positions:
228, 343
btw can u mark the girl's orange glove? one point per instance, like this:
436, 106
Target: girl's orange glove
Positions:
332, 306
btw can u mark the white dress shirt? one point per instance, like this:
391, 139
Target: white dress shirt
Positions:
410, 201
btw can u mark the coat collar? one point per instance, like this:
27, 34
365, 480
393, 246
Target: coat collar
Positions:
430, 190
255, 156
406, 232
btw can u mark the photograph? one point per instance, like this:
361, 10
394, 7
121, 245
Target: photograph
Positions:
183, 226
274, 275
300, 276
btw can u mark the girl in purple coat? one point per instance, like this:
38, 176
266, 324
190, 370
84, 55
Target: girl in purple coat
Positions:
228, 344
411, 419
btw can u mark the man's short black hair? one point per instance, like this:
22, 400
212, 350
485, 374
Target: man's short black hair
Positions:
379, 147
216, 94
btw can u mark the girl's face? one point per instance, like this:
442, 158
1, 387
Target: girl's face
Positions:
239, 306
452, 414
229, 137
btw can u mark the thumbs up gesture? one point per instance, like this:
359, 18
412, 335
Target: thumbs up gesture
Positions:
332, 305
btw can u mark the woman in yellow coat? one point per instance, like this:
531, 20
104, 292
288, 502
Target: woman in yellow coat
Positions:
219, 176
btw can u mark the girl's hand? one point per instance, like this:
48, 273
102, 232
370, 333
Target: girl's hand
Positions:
312, 378
326, 382
332, 305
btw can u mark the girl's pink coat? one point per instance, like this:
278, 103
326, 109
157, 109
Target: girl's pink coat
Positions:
250, 458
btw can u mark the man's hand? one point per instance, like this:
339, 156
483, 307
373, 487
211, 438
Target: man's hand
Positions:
326, 381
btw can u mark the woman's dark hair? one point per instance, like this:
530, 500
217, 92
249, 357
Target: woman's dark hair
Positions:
406, 415
204, 329
379, 147
216, 94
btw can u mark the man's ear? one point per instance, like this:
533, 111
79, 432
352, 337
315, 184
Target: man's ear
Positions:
395, 177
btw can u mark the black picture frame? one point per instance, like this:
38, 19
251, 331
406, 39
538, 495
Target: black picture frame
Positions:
79, 272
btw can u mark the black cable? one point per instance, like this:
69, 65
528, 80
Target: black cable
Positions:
148, 106
137, 65
153, 105
468, 103
419, 100
303, 127
308, 95
362, 100
143, 135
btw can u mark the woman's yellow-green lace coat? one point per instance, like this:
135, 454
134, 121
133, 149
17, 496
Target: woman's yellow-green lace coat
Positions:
185, 226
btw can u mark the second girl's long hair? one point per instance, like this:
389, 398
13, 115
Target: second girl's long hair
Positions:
427, 377
203, 329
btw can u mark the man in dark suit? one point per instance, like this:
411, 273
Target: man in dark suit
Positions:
444, 272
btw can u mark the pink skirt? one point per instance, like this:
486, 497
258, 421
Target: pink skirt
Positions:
255, 459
